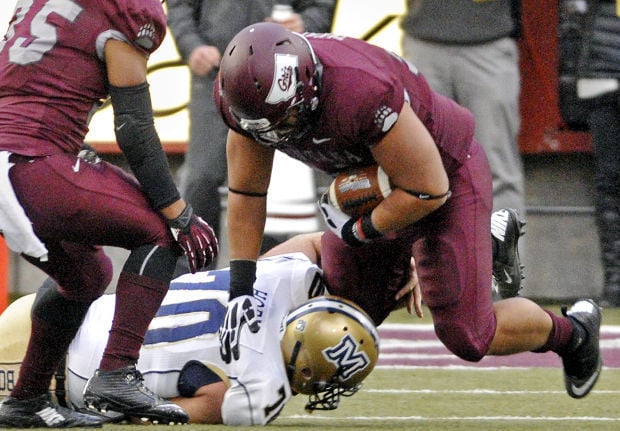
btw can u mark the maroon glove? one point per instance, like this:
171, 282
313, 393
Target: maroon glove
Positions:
195, 237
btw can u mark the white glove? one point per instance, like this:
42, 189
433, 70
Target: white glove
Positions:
334, 218
242, 310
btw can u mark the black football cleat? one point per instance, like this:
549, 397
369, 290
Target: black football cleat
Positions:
42, 412
582, 362
123, 391
506, 229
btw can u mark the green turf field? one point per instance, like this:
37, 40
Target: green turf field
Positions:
438, 399
462, 398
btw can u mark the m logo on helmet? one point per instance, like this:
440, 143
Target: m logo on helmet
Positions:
284, 84
347, 357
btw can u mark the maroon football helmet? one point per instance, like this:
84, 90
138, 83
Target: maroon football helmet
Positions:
269, 83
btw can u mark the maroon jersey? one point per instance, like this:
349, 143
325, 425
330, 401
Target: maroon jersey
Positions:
52, 69
363, 91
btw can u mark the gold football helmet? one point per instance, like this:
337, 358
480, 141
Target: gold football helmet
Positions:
329, 345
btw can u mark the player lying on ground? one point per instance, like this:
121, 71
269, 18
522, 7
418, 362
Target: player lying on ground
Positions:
204, 404
180, 358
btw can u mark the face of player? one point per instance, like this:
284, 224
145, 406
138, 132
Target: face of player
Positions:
291, 127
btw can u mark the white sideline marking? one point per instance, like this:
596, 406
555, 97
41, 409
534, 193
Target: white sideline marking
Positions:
388, 344
474, 392
450, 367
413, 327
459, 367
456, 418
425, 327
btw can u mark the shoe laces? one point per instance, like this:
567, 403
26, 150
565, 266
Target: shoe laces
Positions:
134, 377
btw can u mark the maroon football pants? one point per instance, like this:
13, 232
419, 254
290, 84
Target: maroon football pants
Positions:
453, 253
75, 208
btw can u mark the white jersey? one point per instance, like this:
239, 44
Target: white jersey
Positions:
186, 328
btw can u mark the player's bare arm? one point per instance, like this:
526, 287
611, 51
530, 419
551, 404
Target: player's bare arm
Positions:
205, 407
411, 160
249, 172
306, 243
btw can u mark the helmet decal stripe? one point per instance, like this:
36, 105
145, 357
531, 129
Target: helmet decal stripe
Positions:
284, 84
290, 367
324, 304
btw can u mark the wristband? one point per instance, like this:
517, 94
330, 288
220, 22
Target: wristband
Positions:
183, 219
246, 193
242, 277
368, 229
360, 231
426, 196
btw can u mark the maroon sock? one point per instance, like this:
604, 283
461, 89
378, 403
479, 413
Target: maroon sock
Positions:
560, 336
47, 347
137, 299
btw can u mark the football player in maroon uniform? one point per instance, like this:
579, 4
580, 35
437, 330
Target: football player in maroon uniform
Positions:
337, 103
60, 203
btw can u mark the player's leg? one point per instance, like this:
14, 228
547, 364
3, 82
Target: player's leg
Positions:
55, 320
454, 261
100, 204
127, 220
519, 324
454, 266
57, 312
369, 275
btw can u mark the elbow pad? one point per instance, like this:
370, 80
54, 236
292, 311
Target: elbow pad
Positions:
139, 142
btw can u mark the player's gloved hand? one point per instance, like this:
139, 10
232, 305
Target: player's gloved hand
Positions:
353, 232
334, 218
195, 237
242, 310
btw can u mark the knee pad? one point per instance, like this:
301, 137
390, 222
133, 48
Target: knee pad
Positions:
50, 306
152, 261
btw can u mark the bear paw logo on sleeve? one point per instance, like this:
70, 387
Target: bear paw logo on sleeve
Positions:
146, 36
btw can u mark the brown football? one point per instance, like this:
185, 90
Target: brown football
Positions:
359, 191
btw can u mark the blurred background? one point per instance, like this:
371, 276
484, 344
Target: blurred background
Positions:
563, 256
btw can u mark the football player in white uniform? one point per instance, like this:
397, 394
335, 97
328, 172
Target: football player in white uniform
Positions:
185, 329
180, 358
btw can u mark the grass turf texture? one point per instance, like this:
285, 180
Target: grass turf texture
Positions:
438, 399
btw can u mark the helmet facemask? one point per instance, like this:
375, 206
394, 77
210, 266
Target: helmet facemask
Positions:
329, 398
293, 126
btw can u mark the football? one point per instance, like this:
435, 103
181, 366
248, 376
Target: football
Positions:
359, 191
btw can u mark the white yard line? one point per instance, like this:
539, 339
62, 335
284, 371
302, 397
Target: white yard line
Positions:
317, 417
474, 392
